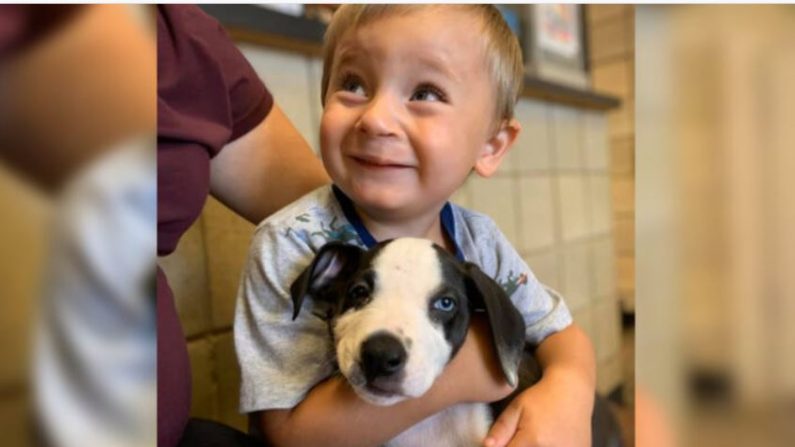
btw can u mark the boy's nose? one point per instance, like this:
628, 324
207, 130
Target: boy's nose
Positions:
378, 119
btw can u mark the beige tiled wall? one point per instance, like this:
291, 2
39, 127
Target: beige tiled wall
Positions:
203, 273
294, 85
551, 198
611, 36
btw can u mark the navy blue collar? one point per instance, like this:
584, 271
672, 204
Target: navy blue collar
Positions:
446, 216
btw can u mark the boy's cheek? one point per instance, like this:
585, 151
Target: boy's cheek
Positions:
329, 134
334, 123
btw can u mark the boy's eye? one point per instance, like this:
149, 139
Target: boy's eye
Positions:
427, 93
353, 85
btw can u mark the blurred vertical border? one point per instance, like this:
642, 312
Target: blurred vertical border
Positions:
77, 225
715, 219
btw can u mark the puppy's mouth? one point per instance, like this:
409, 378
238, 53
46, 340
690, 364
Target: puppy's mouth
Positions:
381, 391
378, 389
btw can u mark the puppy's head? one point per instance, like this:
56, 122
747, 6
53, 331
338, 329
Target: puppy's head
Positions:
400, 311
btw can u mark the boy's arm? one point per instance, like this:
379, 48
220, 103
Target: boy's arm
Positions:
557, 410
332, 415
568, 356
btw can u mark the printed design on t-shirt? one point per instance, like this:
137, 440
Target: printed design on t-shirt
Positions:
333, 231
512, 283
302, 234
299, 231
336, 231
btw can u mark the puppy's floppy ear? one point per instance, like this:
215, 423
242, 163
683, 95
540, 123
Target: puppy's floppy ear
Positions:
507, 324
334, 260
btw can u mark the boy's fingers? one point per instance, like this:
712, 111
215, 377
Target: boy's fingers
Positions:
503, 429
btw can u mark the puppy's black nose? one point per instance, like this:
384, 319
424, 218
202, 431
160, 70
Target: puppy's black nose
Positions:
382, 355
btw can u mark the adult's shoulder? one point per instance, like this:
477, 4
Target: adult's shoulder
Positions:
207, 90
184, 28
186, 16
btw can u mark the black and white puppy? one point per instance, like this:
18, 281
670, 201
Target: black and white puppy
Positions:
398, 313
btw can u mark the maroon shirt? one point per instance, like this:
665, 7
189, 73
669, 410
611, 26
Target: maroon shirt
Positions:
207, 96
22, 25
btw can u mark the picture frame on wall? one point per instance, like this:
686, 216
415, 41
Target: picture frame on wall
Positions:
554, 44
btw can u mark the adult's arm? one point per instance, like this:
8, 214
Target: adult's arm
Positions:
265, 169
70, 97
333, 415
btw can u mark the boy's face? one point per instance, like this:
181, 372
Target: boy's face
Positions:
409, 110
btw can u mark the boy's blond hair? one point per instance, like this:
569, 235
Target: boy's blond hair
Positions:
503, 54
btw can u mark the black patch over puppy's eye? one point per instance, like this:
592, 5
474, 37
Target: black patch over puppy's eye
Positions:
359, 293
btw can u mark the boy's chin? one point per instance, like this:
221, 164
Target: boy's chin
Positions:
382, 202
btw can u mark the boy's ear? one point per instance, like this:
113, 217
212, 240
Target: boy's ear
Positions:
497, 147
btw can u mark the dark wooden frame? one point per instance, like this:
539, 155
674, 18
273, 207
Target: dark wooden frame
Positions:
574, 72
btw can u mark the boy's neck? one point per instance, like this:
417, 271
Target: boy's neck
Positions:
426, 226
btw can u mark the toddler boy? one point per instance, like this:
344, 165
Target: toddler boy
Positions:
415, 98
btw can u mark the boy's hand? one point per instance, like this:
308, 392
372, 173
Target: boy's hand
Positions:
551, 413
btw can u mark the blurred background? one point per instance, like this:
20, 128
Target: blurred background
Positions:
77, 234
715, 212
564, 195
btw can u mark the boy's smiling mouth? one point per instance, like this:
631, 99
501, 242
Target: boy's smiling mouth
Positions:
379, 163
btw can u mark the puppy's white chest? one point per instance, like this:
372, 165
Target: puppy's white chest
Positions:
458, 426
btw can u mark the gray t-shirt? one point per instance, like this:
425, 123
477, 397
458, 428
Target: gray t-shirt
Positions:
281, 359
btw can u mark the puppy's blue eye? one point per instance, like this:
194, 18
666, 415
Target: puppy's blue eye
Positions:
444, 304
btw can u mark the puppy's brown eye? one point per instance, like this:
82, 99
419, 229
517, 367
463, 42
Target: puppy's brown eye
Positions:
358, 292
